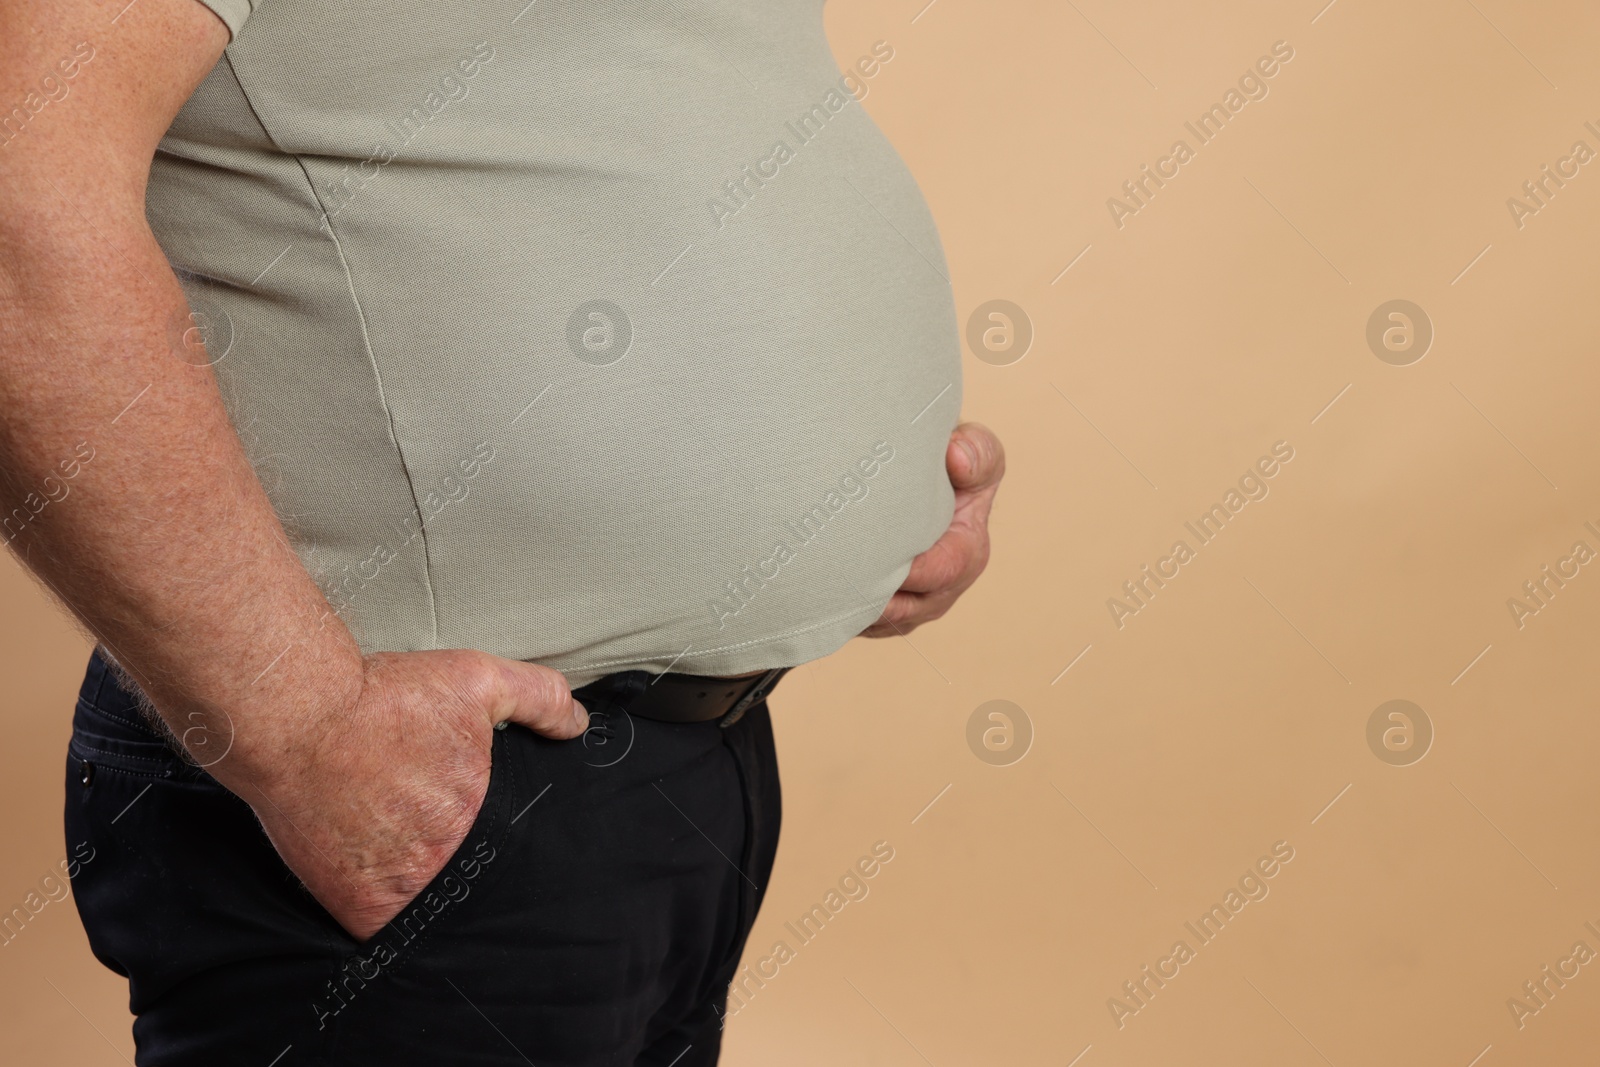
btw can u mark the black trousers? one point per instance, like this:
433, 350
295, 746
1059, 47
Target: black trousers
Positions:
594, 915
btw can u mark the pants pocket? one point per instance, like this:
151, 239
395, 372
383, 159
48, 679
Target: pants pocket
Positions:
180, 892
429, 915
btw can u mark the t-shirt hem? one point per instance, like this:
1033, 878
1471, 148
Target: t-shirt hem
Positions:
788, 649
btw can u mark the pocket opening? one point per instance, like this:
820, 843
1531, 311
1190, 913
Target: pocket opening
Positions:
468, 871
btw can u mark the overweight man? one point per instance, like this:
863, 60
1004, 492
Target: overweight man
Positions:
450, 420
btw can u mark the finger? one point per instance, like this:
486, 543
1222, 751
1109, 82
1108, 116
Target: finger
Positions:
896, 619
975, 459
536, 697
945, 563
906, 611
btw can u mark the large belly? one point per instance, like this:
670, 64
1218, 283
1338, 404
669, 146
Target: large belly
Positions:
662, 379
705, 437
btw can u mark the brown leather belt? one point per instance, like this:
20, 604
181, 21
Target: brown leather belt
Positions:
680, 698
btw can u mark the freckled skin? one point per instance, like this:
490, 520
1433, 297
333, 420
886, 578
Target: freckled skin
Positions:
366, 771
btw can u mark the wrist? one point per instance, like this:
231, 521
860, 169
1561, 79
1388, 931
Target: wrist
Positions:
253, 723
281, 729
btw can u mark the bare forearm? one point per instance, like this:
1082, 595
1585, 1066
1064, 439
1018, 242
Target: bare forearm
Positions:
126, 490
130, 495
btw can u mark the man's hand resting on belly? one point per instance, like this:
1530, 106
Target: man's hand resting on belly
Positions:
976, 463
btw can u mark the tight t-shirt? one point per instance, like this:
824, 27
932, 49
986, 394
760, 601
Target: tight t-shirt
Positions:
607, 336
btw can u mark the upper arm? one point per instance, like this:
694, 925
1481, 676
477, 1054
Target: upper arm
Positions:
87, 90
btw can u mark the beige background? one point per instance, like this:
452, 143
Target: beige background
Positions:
1231, 712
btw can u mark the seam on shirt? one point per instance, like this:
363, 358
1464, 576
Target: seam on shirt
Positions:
366, 343
730, 648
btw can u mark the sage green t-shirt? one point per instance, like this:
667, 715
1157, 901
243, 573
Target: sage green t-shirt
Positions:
601, 335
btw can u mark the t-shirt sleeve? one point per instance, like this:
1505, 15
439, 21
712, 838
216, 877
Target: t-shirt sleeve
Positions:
232, 12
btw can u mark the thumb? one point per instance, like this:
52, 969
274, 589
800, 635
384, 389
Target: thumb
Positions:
975, 459
539, 698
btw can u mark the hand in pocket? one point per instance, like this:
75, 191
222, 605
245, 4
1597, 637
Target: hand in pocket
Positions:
376, 798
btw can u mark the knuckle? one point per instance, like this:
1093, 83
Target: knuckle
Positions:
479, 681
547, 689
980, 557
904, 620
991, 453
947, 571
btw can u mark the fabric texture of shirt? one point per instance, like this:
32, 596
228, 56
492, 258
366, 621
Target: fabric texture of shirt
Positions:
602, 335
